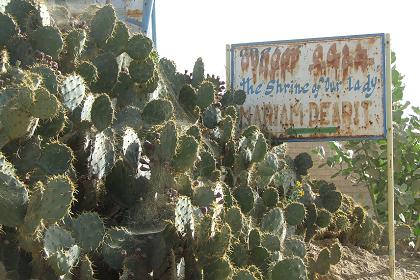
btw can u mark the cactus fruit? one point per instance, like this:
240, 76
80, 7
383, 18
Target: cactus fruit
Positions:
290, 268
157, 111
102, 113
295, 213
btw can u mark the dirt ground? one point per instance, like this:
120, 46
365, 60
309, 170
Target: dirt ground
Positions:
357, 263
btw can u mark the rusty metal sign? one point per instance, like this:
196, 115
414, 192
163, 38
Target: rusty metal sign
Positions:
313, 89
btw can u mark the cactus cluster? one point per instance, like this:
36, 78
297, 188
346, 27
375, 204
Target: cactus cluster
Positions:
105, 175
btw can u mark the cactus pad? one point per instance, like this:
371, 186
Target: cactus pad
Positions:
295, 213
72, 91
205, 95
186, 153
48, 40
89, 230
139, 47
291, 268
157, 111
56, 158
102, 113
103, 24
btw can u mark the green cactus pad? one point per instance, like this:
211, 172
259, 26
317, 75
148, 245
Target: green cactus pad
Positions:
142, 70
102, 158
271, 242
103, 24
335, 253
49, 78
238, 254
8, 28
260, 257
294, 247
55, 158
270, 197
235, 219
198, 72
13, 197
194, 131
359, 214
322, 264
203, 196
165, 150
290, 268
88, 72
15, 124
107, 67
243, 274
324, 218
57, 199
211, 117
205, 95
113, 249
228, 130
245, 198
157, 111
75, 42
269, 165
186, 153
219, 269
139, 47
188, 98
48, 40
86, 269
331, 201
295, 213
254, 238
72, 91
184, 219
260, 149
303, 162
56, 238
273, 221
341, 223
311, 214
102, 113
52, 127
89, 230
206, 165
45, 105
119, 39
63, 260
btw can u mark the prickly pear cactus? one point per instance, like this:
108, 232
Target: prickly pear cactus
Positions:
113, 165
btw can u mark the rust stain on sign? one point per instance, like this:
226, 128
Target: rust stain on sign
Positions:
317, 88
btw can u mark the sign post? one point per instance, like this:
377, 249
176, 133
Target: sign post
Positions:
319, 89
390, 164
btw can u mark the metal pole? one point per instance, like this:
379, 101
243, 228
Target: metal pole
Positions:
228, 77
390, 159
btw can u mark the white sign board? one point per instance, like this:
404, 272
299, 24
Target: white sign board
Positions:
304, 90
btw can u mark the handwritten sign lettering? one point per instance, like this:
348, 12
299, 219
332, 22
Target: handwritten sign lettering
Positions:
315, 88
